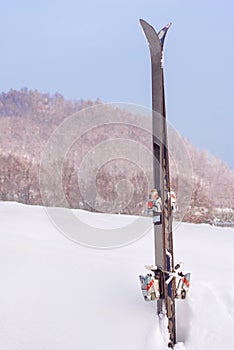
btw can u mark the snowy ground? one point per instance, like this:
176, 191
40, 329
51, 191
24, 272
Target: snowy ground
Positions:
58, 295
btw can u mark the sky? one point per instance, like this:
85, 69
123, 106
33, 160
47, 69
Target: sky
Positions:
96, 49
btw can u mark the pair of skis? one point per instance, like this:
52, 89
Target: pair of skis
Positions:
164, 257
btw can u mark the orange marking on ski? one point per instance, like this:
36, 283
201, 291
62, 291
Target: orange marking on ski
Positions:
186, 282
150, 205
149, 285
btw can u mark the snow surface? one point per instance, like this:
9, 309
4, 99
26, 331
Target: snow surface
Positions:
58, 295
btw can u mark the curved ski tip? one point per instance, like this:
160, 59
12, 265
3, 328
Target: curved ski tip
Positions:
143, 22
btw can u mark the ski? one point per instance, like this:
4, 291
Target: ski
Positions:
163, 238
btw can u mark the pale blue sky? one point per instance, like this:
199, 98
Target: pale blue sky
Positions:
90, 49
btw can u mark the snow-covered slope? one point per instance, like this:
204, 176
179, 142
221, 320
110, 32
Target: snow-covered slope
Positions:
58, 295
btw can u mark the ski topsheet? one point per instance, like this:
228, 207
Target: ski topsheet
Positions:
164, 258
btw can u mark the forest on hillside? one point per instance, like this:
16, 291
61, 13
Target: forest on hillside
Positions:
28, 120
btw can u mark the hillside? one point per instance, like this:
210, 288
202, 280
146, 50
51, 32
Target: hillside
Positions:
29, 119
56, 294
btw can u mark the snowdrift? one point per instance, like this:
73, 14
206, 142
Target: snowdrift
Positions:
57, 295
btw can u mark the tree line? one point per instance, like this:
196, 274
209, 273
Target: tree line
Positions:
27, 120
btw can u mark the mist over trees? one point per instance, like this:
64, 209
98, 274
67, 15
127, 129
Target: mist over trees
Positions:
29, 118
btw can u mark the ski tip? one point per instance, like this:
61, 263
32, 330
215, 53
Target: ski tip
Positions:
144, 23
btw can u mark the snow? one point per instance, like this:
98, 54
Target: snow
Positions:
56, 294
